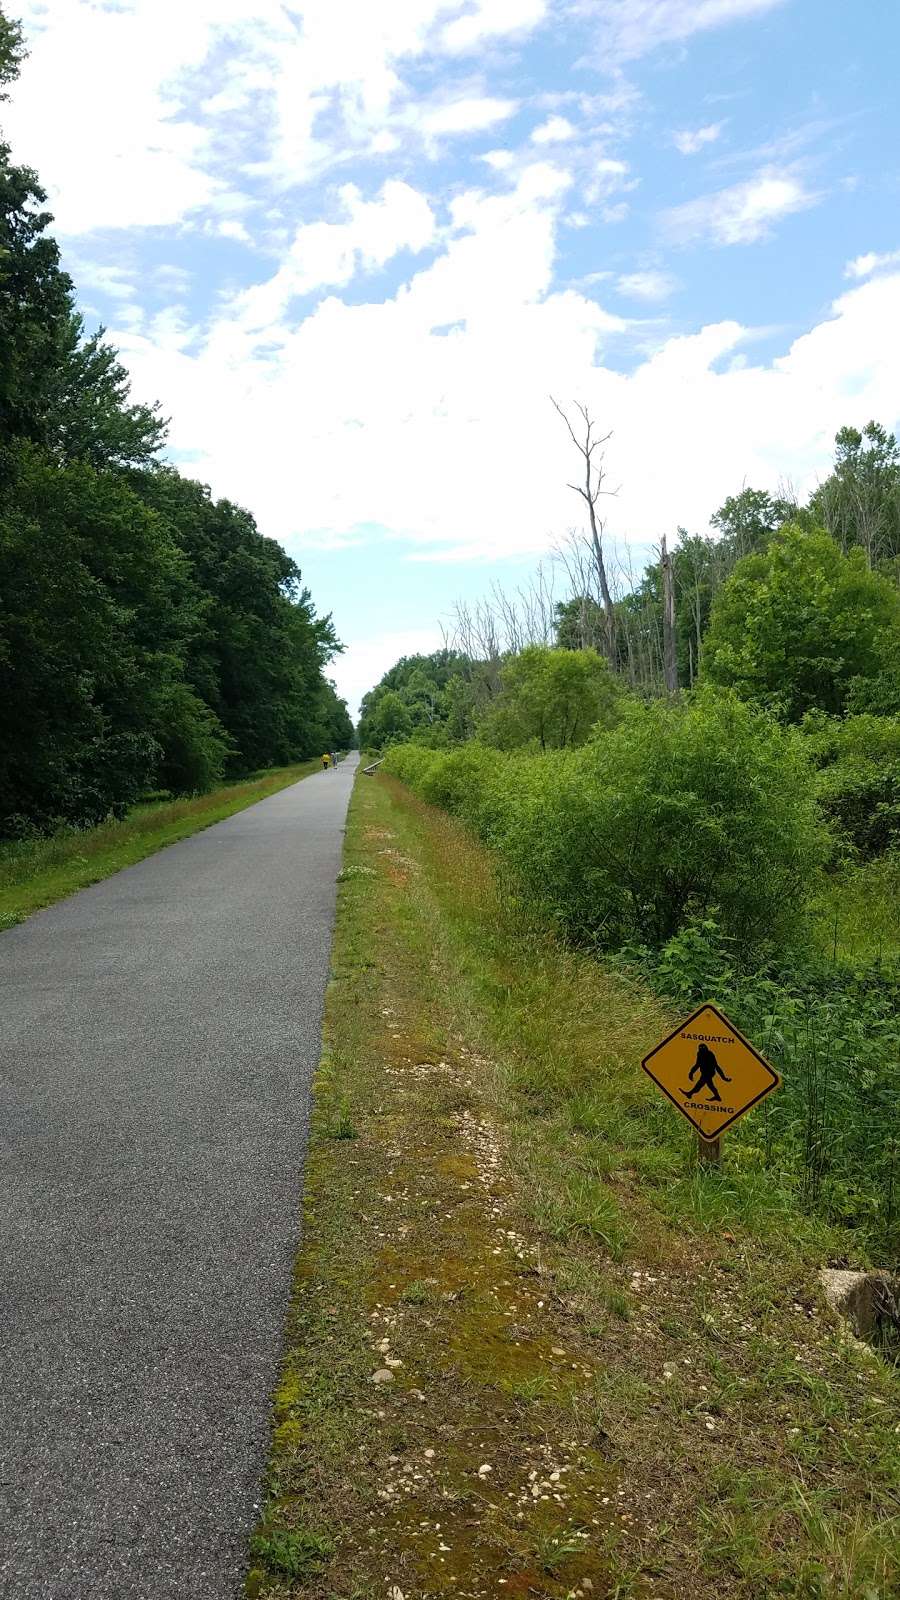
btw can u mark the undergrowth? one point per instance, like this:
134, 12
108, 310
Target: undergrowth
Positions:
684, 847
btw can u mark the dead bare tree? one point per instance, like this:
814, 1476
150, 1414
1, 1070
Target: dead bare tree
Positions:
670, 659
590, 492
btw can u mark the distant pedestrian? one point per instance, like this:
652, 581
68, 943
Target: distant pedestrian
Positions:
326, 762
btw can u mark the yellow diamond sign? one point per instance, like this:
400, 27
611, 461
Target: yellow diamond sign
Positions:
710, 1072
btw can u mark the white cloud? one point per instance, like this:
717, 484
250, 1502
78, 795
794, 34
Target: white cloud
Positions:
605, 177
127, 158
864, 266
469, 115
171, 279
165, 106
742, 213
648, 284
690, 140
232, 229
632, 28
367, 659
117, 282
489, 18
326, 253
427, 415
554, 131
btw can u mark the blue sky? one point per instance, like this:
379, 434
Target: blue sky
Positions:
353, 247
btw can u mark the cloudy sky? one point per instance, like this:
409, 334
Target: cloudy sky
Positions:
354, 245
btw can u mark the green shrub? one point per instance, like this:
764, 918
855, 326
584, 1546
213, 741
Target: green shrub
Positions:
455, 780
193, 743
796, 624
859, 782
551, 699
684, 808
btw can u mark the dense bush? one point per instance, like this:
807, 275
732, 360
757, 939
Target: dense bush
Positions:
551, 699
683, 808
794, 625
858, 786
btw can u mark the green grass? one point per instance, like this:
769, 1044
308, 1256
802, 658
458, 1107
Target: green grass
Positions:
37, 872
858, 911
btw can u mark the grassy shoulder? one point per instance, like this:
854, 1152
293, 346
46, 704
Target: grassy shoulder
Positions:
37, 872
532, 1350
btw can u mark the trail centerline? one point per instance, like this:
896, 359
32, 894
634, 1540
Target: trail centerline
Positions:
157, 1040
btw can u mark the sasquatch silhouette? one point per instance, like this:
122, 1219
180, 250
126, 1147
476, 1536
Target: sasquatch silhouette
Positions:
708, 1068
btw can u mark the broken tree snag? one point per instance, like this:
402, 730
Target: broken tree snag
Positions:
594, 477
670, 659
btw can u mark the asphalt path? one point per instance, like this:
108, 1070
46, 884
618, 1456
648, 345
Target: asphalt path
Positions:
157, 1040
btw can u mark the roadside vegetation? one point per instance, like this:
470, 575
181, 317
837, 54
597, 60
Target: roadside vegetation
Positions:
37, 872
686, 848
533, 1349
736, 839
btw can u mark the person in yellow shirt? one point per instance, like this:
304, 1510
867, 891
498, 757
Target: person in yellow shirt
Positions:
326, 762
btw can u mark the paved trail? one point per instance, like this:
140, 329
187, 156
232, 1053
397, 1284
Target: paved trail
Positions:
157, 1036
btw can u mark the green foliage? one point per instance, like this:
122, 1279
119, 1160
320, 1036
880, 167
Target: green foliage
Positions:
12, 51
793, 626
90, 415
833, 1033
551, 699
879, 695
700, 565
747, 521
257, 651
579, 624
421, 697
859, 503
194, 746
683, 808
90, 585
35, 306
148, 635
859, 781
388, 721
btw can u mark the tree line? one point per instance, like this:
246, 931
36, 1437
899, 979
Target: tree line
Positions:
150, 636
794, 609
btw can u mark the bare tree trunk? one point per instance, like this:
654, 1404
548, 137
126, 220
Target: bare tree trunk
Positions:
670, 658
590, 494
